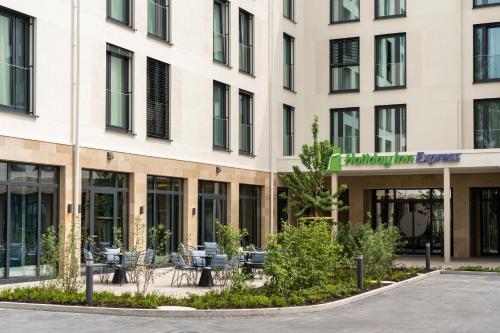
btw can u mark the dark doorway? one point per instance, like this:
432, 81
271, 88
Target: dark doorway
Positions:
212, 207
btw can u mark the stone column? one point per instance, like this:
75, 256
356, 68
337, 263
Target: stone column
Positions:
233, 205
191, 211
138, 223
447, 215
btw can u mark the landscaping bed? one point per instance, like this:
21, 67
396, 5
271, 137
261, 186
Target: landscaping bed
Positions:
478, 269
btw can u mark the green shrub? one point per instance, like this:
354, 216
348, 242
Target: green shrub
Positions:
300, 257
379, 247
478, 269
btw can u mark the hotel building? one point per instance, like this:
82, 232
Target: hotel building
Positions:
115, 113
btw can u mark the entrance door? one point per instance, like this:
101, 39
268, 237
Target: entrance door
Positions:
490, 216
213, 208
414, 221
103, 219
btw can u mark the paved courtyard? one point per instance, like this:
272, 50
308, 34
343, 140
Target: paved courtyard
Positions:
443, 303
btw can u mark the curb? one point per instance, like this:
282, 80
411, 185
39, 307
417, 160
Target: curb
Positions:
189, 313
470, 273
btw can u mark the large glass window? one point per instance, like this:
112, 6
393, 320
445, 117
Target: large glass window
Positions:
120, 11
344, 129
288, 61
212, 208
289, 9
221, 116
165, 205
159, 19
344, 11
246, 42
28, 207
487, 52
390, 8
482, 3
390, 62
118, 88
246, 122
288, 130
104, 209
344, 65
390, 128
158, 99
487, 123
15, 61
250, 214
221, 31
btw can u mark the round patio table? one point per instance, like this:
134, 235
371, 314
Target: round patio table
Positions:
206, 279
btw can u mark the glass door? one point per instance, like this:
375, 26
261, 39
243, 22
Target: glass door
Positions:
103, 219
490, 205
213, 208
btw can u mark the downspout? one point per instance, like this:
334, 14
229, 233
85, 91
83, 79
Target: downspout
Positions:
459, 45
75, 110
271, 113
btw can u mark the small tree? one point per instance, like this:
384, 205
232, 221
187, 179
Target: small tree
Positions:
309, 197
158, 238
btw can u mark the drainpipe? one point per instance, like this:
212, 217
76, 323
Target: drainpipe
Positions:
271, 122
459, 45
75, 106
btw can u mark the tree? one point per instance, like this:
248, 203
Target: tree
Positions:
309, 197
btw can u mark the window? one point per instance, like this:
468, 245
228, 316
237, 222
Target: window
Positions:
390, 62
16, 74
221, 31
158, 99
288, 129
344, 129
165, 206
344, 65
28, 207
342, 11
212, 208
118, 88
487, 52
485, 3
288, 61
487, 123
250, 215
289, 9
221, 115
246, 42
159, 19
390, 126
246, 122
120, 11
390, 8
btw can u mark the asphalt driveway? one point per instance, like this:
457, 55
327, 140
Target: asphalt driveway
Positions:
443, 303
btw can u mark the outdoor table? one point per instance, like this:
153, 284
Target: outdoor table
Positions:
206, 279
120, 276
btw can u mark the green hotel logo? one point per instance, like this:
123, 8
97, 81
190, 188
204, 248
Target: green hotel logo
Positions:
335, 164
375, 159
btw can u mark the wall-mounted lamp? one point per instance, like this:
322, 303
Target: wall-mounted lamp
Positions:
141, 210
218, 169
193, 211
110, 156
70, 208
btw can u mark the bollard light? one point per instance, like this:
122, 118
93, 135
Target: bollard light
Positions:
427, 256
359, 269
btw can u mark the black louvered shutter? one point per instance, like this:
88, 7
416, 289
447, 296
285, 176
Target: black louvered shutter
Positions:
344, 52
158, 99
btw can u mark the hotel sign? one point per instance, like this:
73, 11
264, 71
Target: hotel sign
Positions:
389, 160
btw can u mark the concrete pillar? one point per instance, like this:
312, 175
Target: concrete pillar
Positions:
191, 211
233, 205
138, 224
334, 187
447, 215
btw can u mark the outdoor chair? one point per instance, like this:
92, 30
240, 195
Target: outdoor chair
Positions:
185, 251
211, 248
256, 263
219, 268
198, 260
182, 271
101, 269
129, 263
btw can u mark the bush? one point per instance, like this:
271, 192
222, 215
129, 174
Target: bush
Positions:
379, 247
300, 257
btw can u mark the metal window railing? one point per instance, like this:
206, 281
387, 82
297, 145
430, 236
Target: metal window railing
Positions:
344, 78
221, 132
246, 138
118, 109
246, 53
348, 144
221, 41
391, 142
487, 67
487, 138
391, 74
15, 83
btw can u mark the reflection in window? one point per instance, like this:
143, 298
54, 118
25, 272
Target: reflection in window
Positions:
388, 8
487, 123
487, 52
344, 11
344, 129
390, 61
390, 128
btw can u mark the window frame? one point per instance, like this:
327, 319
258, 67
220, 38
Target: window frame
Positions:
226, 24
397, 127
332, 43
130, 13
475, 119
29, 57
378, 17
226, 108
291, 40
292, 10
340, 129
291, 134
474, 5
113, 50
168, 25
332, 22
377, 37
484, 26
167, 136
251, 32
251, 109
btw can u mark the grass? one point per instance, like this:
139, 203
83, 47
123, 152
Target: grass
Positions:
233, 299
478, 269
